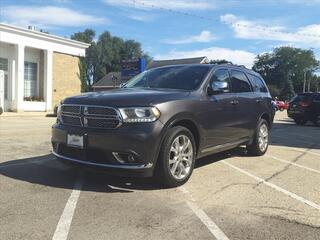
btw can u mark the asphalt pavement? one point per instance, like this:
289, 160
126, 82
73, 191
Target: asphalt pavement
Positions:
229, 196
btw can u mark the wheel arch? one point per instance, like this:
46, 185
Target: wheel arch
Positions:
188, 121
266, 117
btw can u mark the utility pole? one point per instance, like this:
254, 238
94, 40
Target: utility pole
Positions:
304, 80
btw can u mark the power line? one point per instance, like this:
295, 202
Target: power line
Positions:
262, 28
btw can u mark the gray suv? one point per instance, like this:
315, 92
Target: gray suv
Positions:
164, 119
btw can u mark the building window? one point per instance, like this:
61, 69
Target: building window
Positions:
4, 67
30, 79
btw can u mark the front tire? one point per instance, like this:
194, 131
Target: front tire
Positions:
176, 159
260, 142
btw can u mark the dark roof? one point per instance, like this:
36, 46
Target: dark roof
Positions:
112, 79
161, 63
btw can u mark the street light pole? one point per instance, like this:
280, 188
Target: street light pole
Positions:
309, 85
304, 80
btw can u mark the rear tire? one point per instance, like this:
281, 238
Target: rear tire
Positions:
176, 158
300, 121
260, 142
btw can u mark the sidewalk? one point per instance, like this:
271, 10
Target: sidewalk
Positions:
26, 114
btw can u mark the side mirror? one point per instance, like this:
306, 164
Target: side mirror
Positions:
218, 87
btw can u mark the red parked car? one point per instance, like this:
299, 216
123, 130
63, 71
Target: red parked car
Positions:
281, 105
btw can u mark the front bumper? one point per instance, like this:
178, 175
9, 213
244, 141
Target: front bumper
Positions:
141, 140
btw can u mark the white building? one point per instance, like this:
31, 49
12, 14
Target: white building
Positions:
39, 69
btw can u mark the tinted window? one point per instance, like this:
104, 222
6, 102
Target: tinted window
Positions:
257, 83
177, 77
302, 98
239, 82
221, 75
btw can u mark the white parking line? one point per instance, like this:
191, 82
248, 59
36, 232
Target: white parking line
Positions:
286, 192
63, 227
305, 150
204, 218
294, 164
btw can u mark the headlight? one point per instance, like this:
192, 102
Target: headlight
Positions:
59, 112
139, 114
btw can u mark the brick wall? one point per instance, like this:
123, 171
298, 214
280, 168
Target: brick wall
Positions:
65, 74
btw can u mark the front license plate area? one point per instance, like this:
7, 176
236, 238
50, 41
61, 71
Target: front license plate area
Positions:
74, 140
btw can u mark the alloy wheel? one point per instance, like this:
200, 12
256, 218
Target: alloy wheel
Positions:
181, 157
263, 137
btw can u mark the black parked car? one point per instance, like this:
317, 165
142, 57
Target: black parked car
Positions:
305, 107
164, 119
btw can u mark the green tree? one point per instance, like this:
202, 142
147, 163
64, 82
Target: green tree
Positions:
105, 55
274, 91
219, 61
287, 90
88, 63
283, 61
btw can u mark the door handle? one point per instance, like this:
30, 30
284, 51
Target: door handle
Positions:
258, 100
234, 102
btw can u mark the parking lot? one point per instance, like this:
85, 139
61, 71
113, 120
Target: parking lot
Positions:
229, 196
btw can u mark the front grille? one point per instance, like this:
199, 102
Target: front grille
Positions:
102, 123
71, 120
71, 109
90, 116
100, 111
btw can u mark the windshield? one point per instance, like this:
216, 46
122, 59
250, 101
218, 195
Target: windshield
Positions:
176, 77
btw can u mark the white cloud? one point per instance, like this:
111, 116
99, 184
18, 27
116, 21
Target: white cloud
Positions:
308, 36
172, 4
140, 17
236, 56
47, 17
204, 36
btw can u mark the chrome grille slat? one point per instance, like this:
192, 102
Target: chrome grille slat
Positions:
91, 116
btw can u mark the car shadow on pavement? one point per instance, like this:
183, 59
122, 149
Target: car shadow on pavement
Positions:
291, 135
47, 171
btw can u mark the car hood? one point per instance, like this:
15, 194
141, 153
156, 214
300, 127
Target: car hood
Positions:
127, 97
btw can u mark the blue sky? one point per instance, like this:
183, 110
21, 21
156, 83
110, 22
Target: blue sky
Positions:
231, 29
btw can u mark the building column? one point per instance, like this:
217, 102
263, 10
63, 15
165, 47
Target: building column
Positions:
19, 50
48, 79
13, 84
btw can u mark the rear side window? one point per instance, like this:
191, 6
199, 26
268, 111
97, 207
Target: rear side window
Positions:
258, 84
239, 82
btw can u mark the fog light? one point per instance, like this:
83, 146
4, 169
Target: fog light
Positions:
124, 158
118, 157
131, 158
